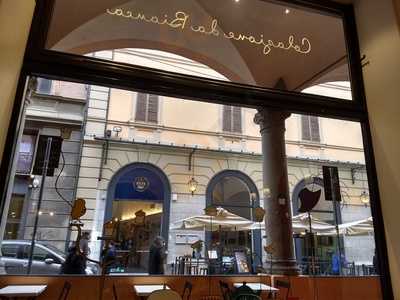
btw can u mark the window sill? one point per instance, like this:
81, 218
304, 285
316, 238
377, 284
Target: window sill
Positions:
311, 144
144, 125
232, 135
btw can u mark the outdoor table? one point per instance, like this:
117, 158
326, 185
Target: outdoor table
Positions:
144, 290
22, 291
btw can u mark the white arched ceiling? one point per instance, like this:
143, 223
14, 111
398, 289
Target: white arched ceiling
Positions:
236, 60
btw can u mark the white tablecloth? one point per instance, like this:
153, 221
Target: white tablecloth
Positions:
22, 290
147, 289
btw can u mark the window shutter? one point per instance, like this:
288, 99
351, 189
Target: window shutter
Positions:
227, 118
141, 107
305, 128
237, 119
314, 125
152, 113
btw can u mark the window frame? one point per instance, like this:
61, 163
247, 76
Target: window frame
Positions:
232, 120
147, 109
310, 133
35, 135
56, 65
39, 86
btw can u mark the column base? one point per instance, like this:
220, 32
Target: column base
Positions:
282, 267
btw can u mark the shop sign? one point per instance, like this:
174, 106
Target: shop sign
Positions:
182, 21
141, 184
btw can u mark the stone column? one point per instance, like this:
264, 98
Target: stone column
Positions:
278, 221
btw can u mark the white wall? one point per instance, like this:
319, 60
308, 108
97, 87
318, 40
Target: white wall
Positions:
380, 41
15, 20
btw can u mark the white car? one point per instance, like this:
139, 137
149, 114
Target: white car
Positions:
47, 259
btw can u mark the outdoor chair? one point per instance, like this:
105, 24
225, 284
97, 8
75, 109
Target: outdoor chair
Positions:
65, 291
280, 284
164, 295
187, 291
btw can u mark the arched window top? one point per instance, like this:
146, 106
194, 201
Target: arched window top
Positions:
233, 190
323, 210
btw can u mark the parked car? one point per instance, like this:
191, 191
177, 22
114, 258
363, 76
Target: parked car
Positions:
47, 259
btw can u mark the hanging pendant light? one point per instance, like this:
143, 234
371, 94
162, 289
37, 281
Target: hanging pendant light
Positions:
364, 198
192, 182
193, 185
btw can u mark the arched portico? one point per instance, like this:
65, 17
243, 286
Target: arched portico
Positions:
240, 60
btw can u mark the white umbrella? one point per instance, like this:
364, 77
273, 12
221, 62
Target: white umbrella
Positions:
301, 223
360, 227
224, 220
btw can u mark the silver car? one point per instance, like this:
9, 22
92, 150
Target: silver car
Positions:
47, 259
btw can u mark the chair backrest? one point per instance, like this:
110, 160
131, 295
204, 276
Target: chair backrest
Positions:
225, 290
242, 290
164, 295
65, 291
187, 290
281, 284
247, 297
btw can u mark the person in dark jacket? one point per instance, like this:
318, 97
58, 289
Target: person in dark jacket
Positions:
109, 257
156, 256
74, 262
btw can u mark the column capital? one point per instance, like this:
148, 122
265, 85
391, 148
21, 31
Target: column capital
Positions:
270, 118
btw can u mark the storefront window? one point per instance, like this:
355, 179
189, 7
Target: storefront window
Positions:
272, 44
134, 177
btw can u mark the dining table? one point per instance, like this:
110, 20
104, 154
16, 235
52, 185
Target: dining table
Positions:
30, 292
144, 290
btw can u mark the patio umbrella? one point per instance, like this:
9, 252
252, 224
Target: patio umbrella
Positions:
224, 221
360, 227
301, 223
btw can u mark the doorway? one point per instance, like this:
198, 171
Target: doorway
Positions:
139, 201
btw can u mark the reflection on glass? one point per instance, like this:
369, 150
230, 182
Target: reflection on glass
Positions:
240, 40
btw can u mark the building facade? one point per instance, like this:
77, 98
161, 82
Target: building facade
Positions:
117, 136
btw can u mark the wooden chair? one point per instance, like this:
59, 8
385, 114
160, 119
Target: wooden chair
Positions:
164, 295
280, 284
225, 290
187, 290
65, 291
115, 295
243, 290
